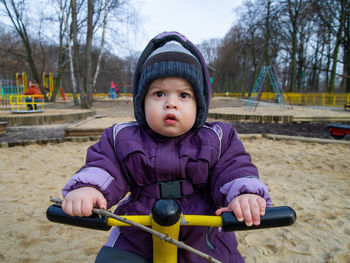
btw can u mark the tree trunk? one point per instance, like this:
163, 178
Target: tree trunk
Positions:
293, 61
88, 80
244, 72
313, 81
328, 64
293, 16
61, 58
76, 66
267, 42
336, 48
347, 48
102, 44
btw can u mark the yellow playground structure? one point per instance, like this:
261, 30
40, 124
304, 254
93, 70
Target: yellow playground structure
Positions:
304, 99
19, 102
48, 83
26, 103
12, 93
21, 81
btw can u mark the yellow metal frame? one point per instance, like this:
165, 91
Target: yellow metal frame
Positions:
164, 252
315, 99
186, 220
18, 103
21, 81
48, 82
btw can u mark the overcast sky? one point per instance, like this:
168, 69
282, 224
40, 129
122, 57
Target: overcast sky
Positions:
198, 20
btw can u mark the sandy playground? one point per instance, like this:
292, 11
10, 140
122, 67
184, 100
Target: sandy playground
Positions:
312, 178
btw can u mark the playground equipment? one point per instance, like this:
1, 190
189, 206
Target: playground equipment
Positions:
276, 83
8, 88
26, 103
338, 131
21, 82
48, 85
125, 89
116, 91
12, 92
166, 218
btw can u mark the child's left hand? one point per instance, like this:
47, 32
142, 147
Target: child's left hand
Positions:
247, 207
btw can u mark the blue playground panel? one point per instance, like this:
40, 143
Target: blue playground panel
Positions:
26, 111
7, 88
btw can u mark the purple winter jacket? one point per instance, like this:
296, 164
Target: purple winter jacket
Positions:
131, 158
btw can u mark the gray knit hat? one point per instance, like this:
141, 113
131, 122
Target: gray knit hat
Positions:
171, 59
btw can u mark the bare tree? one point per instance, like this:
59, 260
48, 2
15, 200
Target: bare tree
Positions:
346, 47
13, 58
65, 12
102, 43
332, 14
209, 49
305, 38
294, 17
15, 10
87, 19
86, 91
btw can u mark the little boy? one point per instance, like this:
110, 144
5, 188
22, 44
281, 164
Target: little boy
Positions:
169, 142
33, 90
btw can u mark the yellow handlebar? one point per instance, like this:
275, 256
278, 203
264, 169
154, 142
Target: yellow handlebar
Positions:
186, 220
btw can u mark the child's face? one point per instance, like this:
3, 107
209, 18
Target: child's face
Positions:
170, 106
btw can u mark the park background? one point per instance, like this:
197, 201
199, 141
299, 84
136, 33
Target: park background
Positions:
306, 41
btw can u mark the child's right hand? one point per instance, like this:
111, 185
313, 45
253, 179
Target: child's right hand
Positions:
80, 202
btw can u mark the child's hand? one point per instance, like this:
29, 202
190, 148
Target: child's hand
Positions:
80, 202
247, 207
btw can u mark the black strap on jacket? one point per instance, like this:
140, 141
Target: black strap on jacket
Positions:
176, 189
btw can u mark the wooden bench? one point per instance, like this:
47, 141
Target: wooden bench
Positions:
338, 131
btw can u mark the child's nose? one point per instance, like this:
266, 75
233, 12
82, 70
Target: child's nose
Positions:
171, 102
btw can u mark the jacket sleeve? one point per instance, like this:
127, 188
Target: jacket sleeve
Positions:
28, 92
101, 170
234, 173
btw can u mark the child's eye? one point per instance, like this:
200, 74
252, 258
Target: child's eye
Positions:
159, 94
184, 95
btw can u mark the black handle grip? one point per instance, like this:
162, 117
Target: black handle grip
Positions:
56, 214
274, 217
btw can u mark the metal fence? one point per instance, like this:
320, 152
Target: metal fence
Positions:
307, 99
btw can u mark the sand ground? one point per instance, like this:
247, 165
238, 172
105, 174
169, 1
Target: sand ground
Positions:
312, 178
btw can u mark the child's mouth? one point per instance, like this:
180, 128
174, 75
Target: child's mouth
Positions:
170, 119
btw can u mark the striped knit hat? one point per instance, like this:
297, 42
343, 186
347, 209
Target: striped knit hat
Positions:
171, 60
